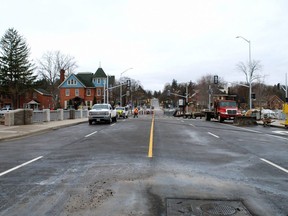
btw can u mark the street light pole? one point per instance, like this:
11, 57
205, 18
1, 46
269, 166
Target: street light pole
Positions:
250, 72
121, 85
187, 98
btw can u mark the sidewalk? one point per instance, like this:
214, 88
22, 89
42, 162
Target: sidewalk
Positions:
9, 132
275, 123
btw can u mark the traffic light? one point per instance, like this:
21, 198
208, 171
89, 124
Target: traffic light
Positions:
215, 79
253, 96
128, 83
278, 86
168, 93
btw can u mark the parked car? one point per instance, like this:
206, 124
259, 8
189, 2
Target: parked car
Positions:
122, 112
6, 108
102, 113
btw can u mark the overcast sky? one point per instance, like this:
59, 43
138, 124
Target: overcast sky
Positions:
160, 39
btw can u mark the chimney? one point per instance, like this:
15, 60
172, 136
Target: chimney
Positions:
62, 75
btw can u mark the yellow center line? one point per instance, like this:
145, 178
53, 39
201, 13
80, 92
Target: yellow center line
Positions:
150, 152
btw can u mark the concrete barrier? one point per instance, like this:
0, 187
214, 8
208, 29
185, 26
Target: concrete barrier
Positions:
18, 117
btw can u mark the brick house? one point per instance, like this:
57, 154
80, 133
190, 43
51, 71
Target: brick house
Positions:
32, 99
37, 99
274, 102
83, 89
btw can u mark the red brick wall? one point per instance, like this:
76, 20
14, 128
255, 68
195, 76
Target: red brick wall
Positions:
45, 101
82, 94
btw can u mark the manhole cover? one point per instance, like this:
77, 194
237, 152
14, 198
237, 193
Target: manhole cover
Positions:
196, 207
218, 209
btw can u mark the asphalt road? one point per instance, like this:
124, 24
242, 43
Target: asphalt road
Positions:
128, 169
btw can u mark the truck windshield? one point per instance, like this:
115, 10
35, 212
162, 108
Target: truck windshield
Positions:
227, 104
100, 106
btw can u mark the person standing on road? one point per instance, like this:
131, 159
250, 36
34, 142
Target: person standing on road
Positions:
135, 112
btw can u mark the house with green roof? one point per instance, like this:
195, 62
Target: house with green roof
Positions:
83, 89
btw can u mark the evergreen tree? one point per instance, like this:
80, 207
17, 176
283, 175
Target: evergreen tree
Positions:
16, 74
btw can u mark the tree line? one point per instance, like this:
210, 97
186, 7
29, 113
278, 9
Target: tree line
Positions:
198, 92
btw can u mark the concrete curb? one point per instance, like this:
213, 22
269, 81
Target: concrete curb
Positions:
27, 130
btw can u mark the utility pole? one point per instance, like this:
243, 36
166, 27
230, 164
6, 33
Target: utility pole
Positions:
250, 71
187, 98
121, 85
210, 91
107, 89
284, 88
104, 90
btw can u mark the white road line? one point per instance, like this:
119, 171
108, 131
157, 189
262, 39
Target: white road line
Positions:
112, 124
91, 134
245, 129
17, 167
275, 165
213, 135
192, 125
279, 137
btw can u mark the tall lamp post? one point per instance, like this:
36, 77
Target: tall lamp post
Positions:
250, 75
121, 85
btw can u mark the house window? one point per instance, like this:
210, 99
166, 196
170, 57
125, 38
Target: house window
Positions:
72, 82
88, 103
67, 92
98, 80
88, 92
98, 92
76, 92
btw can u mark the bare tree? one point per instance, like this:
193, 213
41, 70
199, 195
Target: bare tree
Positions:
250, 70
49, 67
203, 87
52, 62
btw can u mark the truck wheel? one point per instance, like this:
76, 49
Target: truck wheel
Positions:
90, 122
207, 117
221, 120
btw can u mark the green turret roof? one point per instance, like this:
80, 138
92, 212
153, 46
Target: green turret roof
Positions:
100, 73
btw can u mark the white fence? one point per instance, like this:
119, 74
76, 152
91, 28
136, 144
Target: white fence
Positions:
29, 116
58, 115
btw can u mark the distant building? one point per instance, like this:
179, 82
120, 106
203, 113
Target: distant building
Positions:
38, 99
83, 89
32, 99
274, 102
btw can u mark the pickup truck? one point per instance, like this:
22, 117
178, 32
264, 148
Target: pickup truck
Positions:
102, 113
